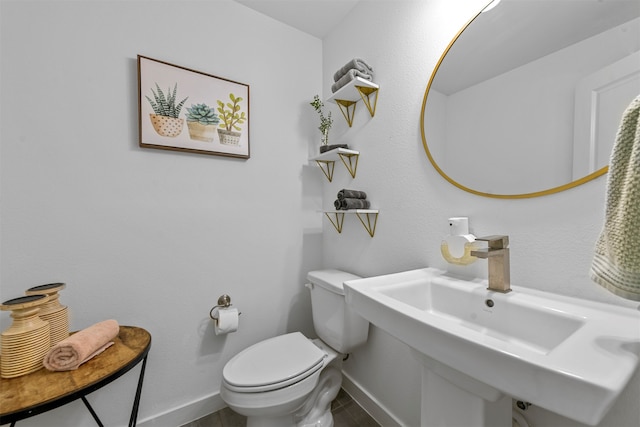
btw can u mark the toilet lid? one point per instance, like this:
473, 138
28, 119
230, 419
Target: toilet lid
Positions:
274, 363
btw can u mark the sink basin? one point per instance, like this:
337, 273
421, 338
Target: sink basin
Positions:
564, 354
538, 328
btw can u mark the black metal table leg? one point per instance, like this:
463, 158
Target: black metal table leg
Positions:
93, 413
136, 402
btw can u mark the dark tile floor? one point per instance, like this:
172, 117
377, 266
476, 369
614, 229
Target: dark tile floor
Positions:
346, 413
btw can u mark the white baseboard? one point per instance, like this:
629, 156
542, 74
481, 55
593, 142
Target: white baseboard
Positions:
186, 413
369, 403
213, 403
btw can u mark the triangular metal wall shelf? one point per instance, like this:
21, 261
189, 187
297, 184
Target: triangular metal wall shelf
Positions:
327, 161
368, 218
357, 89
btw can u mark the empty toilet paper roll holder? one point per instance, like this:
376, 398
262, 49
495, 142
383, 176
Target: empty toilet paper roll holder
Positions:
224, 301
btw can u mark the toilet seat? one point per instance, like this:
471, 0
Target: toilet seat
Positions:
273, 364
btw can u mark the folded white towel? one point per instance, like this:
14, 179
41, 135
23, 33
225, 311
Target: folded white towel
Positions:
354, 64
616, 264
350, 75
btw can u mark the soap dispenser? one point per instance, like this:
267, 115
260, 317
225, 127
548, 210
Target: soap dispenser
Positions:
457, 246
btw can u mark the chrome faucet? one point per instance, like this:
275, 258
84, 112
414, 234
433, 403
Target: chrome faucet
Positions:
497, 254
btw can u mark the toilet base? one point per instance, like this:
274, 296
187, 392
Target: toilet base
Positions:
317, 409
303, 404
315, 412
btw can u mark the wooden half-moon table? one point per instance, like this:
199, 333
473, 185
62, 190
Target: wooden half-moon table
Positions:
43, 390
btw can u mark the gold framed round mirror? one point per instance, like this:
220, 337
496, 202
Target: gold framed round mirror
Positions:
519, 105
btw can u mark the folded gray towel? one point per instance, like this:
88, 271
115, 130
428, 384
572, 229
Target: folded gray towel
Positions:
351, 194
354, 64
350, 75
348, 203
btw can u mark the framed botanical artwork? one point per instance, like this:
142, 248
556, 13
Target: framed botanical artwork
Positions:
187, 110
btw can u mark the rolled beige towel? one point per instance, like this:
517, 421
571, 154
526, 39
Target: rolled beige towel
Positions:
72, 352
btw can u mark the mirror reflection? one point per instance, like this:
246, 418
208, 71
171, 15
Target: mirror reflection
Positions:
527, 99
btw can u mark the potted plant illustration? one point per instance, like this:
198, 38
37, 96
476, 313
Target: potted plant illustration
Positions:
165, 121
229, 129
325, 123
202, 122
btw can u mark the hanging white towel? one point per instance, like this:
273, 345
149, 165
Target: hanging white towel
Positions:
616, 263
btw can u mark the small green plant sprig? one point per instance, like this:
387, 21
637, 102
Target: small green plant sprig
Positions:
325, 121
166, 106
202, 114
231, 117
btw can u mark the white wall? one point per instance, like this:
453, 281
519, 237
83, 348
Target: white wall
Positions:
551, 238
151, 237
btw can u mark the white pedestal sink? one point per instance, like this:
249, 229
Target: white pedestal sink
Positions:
453, 399
479, 348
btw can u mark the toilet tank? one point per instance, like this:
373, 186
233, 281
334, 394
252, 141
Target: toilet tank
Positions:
335, 324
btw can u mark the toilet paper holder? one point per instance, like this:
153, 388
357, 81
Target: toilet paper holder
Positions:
224, 301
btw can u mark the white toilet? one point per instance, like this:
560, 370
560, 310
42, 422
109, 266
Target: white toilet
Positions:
291, 380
